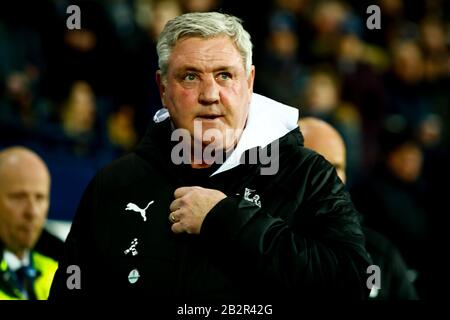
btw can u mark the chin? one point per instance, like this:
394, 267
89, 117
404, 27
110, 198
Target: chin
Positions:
216, 125
29, 243
213, 145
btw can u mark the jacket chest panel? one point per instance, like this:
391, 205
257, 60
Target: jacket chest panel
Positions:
139, 224
139, 249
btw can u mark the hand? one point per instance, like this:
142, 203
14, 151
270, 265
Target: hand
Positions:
190, 207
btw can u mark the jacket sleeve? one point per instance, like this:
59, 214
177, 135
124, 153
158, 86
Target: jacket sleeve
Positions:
318, 253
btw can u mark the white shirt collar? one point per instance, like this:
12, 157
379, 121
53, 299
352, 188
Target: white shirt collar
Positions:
13, 262
267, 121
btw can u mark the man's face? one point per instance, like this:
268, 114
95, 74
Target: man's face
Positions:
331, 149
24, 203
322, 138
206, 83
405, 162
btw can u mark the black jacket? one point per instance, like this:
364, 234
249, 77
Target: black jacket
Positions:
395, 283
304, 240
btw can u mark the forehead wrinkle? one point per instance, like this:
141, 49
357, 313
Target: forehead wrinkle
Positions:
215, 52
210, 64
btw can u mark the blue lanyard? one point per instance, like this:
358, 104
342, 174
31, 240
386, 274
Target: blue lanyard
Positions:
24, 278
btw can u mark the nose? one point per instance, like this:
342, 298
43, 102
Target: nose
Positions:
32, 208
209, 92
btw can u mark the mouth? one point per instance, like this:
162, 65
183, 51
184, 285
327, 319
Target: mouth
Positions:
209, 117
27, 229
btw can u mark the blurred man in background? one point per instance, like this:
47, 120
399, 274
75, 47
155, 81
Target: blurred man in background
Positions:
24, 202
395, 282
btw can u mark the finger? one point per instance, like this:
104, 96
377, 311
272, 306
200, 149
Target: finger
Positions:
179, 192
177, 228
176, 215
175, 205
172, 218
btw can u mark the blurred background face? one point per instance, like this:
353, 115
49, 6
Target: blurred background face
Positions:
24, 202
199, 5
391, 7
321, 93
295, 6
327, 17
408, 62
207, 84
80, 110
162, 12
283, 39
283, 43
433, 35
325, 140
405, 162
350, 47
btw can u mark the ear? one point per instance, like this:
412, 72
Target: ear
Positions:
161, 86
251, 78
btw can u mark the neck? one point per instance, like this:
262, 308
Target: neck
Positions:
198, 160
19, 254
209, 156
200, 166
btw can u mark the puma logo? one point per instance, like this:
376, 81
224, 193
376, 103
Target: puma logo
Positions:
135, 208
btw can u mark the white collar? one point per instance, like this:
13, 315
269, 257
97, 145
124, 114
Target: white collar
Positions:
267, 121
13, 262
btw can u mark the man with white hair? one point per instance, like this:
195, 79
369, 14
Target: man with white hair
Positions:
220, 200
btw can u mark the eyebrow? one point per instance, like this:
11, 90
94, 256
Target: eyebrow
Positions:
196, 69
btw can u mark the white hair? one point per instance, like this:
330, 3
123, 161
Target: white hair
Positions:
203, 25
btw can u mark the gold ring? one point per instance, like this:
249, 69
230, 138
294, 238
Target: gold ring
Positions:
172, 218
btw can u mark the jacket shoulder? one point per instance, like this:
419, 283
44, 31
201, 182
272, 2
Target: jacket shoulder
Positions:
123, 171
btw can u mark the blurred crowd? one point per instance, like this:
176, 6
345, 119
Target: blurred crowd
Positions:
81, 98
